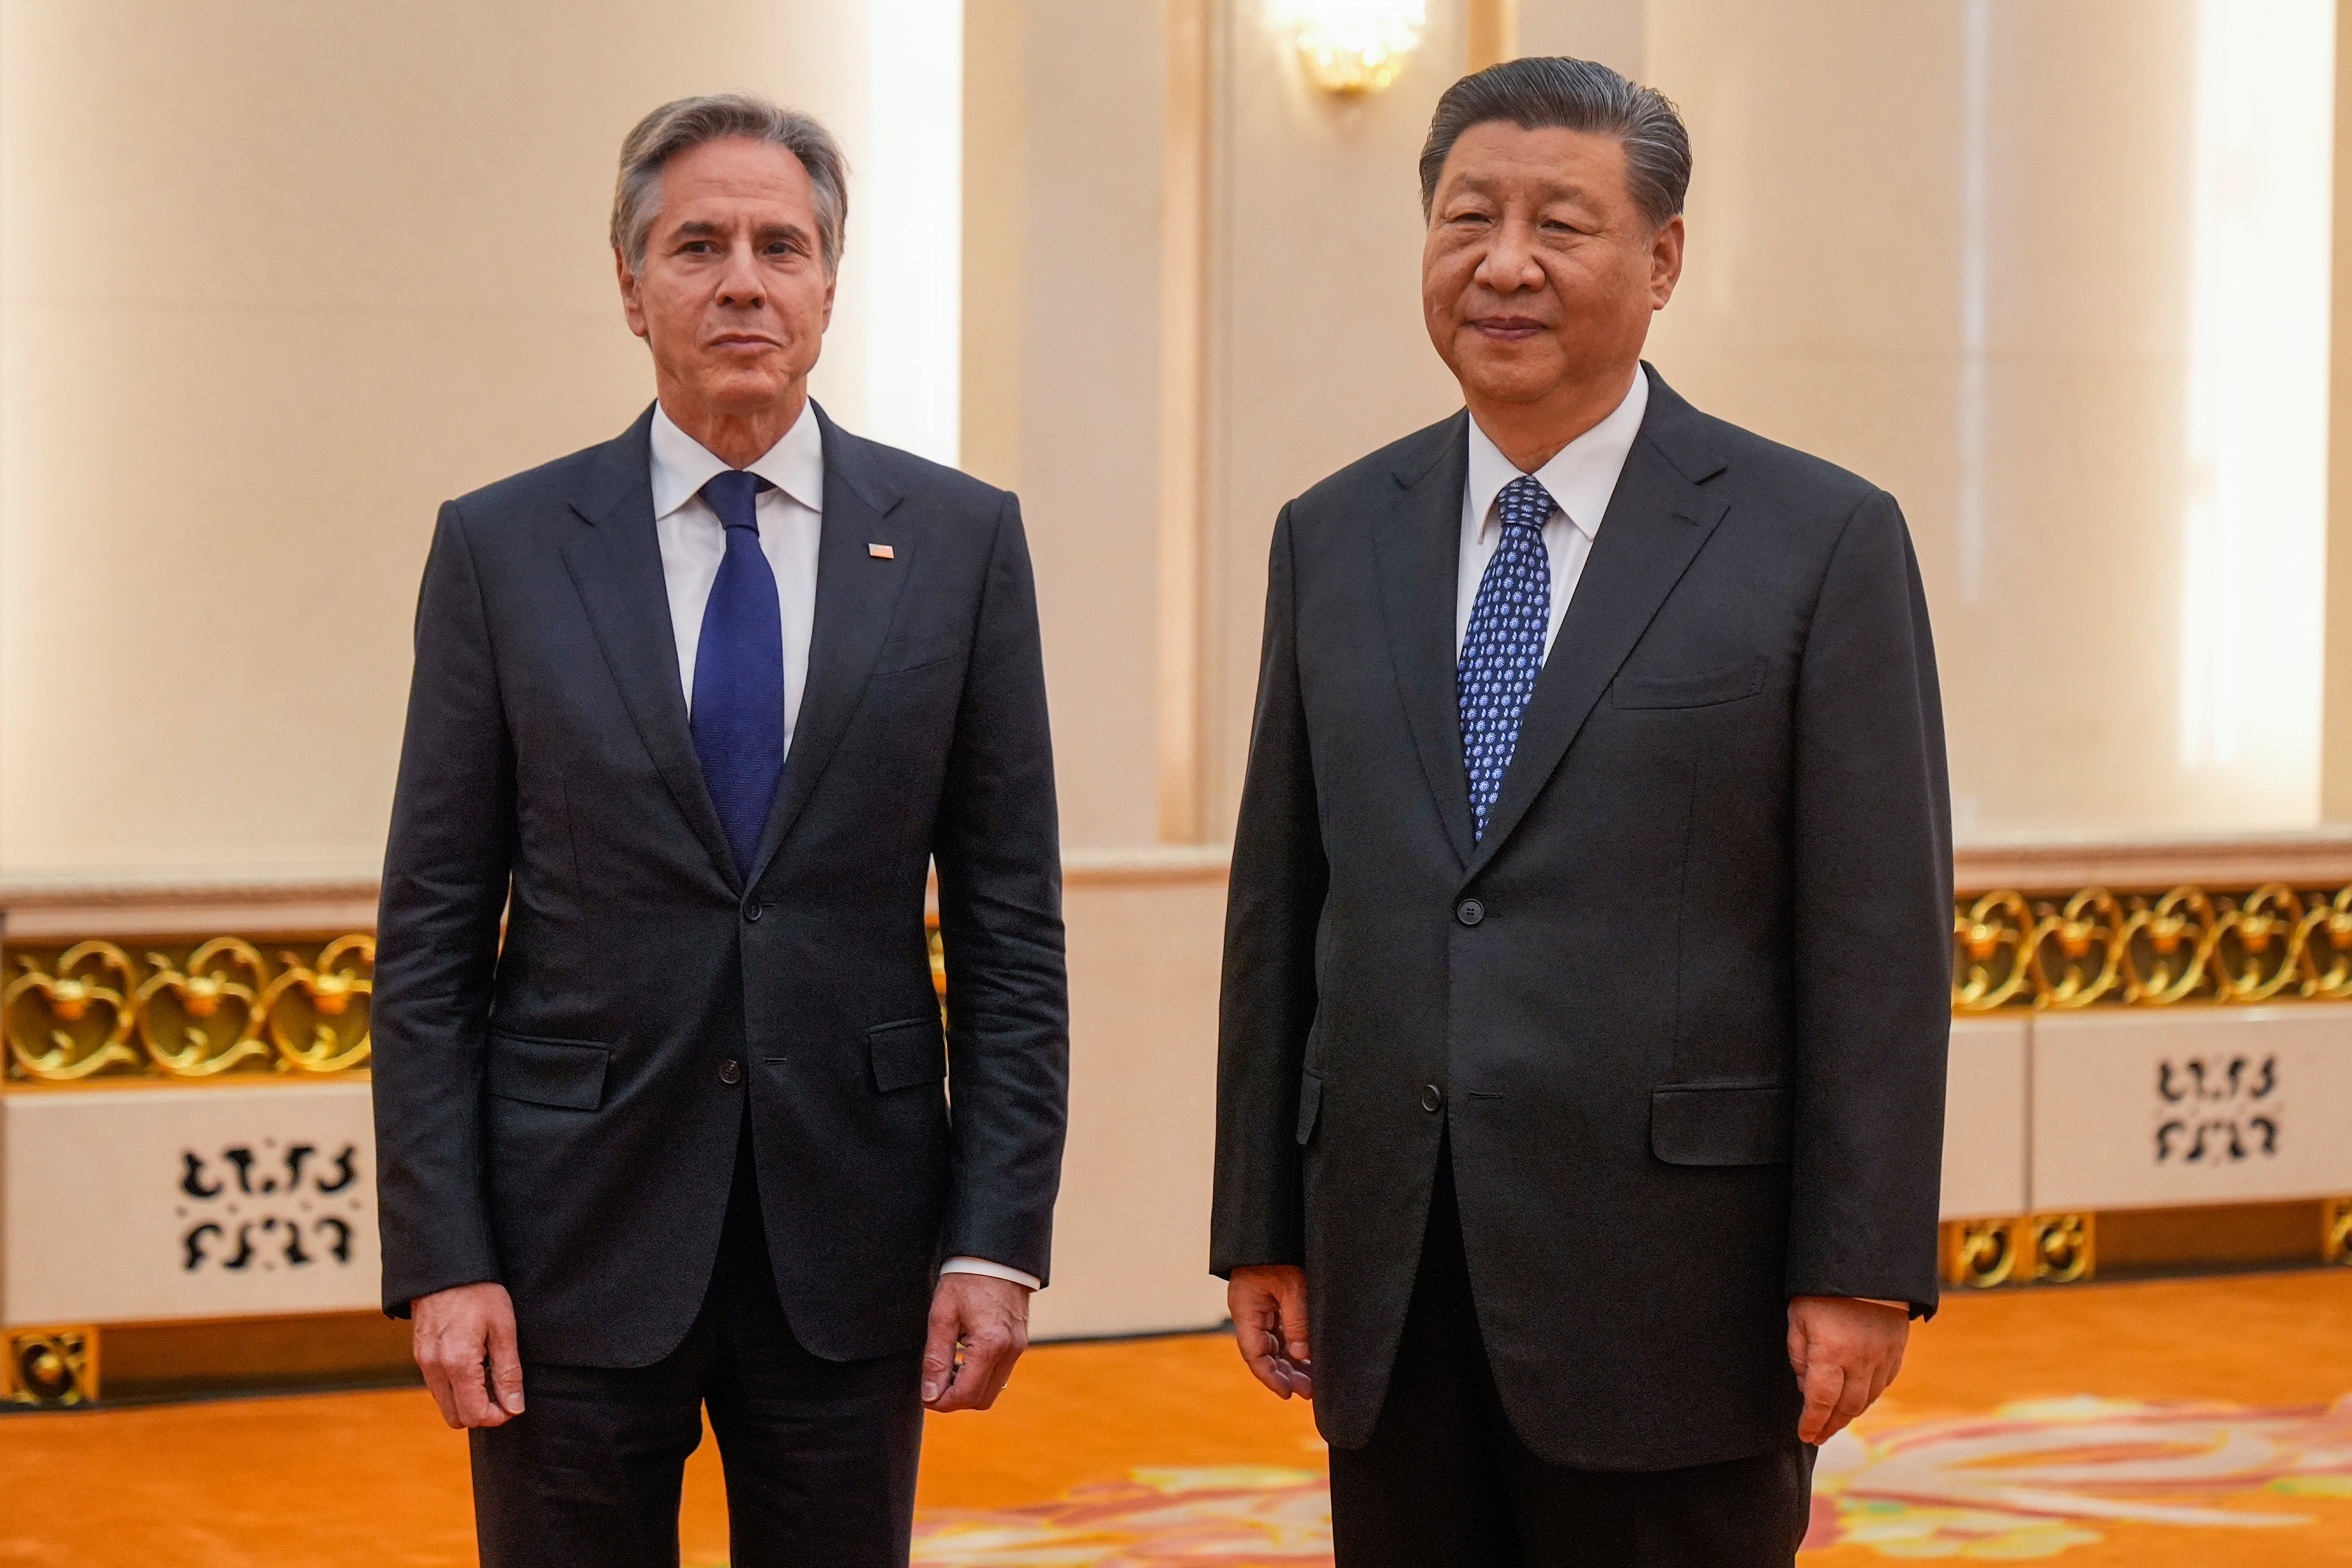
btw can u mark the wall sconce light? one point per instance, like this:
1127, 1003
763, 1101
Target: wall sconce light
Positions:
1350, 47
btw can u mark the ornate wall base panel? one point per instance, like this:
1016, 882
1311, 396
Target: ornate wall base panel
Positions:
2191, 1107
166, 1203
49, 1368
1985, 1117
2336, 1231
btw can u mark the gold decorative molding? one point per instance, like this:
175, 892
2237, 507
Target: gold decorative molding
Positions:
2094, 947
49, 1368
2046, 1249
2336, 1231
187, 1012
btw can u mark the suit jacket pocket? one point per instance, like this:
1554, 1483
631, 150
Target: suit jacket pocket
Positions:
569, 1074
907, 1053
1704, 689
1310, 1104
905, 655
1720, 1124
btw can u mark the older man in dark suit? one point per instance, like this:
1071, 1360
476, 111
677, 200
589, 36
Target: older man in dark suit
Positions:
696, 712
1586, 988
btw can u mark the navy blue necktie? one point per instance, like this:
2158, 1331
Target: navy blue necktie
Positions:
739, 673
1503, 649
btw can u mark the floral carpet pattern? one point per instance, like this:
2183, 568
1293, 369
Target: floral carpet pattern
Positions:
2030, 1480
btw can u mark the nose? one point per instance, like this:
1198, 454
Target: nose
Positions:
741, 285
1509, 264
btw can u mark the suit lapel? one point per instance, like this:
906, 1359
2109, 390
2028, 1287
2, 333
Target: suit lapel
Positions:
615, 564
1417, 548
1657, 519
857, 594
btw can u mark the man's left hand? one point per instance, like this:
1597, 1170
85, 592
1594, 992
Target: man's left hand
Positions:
980, 1326
1845, 1352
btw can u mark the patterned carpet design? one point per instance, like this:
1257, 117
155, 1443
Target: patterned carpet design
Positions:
2031, 1481
2165, 1425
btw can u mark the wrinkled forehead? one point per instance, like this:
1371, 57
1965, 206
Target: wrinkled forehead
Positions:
733, 182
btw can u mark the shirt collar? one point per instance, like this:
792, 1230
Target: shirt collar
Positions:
682, 466
1580, 478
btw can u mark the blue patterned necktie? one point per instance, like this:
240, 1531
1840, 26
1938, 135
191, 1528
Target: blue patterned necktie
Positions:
739, 673
1502, 650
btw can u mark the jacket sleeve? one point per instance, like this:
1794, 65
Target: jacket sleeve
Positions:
446, 866
1872, 876
1272, 909
997, 846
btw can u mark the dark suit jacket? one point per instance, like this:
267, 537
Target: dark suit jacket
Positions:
1684, 1009
554, 1113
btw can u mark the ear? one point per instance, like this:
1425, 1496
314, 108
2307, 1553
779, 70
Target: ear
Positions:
633, 309
1666, 261
832, 283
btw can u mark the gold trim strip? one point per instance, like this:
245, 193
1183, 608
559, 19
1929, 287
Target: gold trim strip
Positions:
2096, 948
217, 1009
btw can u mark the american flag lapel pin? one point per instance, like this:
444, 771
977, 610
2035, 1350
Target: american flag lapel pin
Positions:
882, 552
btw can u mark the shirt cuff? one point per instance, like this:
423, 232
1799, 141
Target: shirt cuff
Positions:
994, 1271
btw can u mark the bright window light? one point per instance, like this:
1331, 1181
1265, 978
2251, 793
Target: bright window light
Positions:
2255, 537
909, 259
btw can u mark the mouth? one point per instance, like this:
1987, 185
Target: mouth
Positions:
744, 342
1507, 329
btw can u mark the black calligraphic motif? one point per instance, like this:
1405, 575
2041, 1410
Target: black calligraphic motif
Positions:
243, 1257
194, 1242
341, 1247
241, 1158
192, 1182
347, 1170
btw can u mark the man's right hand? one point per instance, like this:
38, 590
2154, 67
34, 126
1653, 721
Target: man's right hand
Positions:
455, 1333
1267, 1303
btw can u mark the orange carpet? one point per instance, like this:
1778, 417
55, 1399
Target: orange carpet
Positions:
2178, 1423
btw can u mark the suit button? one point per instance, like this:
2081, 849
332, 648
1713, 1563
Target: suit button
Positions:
1469, 912
751, 908
730, 1071
1431, 1097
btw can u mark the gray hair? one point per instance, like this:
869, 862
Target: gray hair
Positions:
1544, 91
690, 122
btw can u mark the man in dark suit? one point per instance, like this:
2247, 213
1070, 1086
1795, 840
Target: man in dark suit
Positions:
696, 712
1585, 1002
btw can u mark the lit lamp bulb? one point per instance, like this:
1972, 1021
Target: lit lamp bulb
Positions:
1352, 46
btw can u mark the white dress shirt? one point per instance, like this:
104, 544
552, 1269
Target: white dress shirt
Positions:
1580, 478
693, 541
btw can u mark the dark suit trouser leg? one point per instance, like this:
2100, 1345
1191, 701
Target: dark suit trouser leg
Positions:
1446, 1483
820, 1455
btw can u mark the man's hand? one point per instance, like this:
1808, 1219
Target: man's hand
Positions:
1267, 1303
1845, 1352
980, 1326
453, 1333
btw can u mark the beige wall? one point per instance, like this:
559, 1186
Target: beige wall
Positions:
276, 279
1317, 353
1834, 250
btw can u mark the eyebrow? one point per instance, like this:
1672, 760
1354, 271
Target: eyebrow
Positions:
704, 229
1552, 191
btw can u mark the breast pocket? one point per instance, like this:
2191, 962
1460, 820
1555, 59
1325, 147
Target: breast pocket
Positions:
905, 655
1704, 688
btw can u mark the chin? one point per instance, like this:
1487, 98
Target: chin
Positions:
738, 389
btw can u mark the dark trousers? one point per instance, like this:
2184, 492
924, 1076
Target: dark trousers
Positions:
819, 1455
1446, 1483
